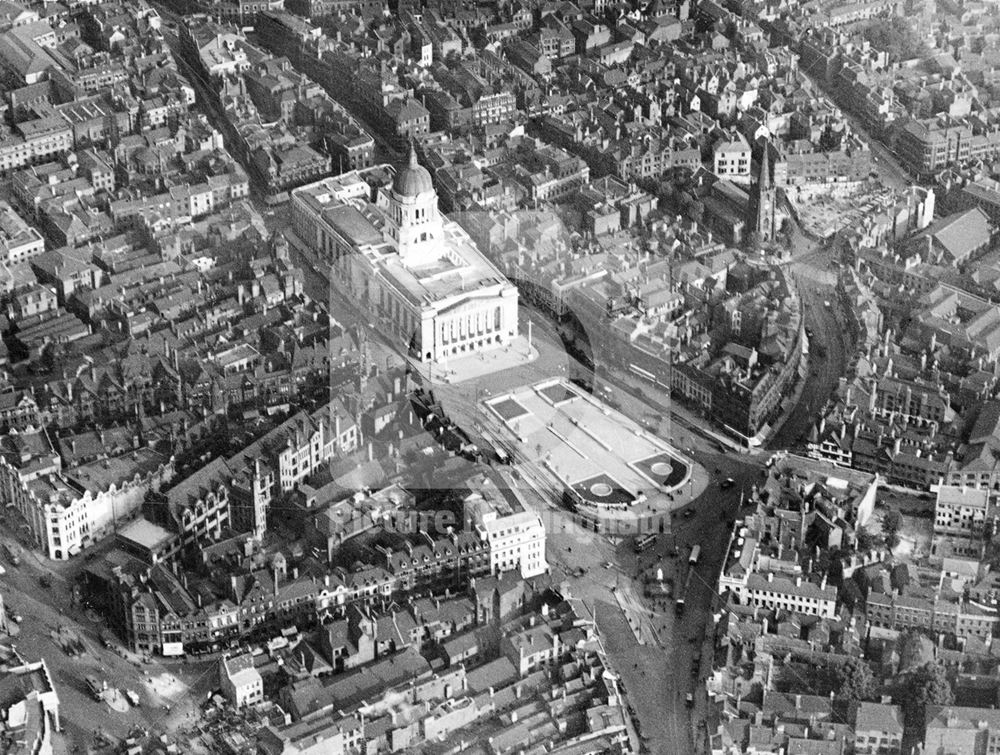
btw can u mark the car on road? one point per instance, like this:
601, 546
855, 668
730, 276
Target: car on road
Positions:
827, 304
17, 618
45, 581
727, 483
689, 700
12, 552
688, 513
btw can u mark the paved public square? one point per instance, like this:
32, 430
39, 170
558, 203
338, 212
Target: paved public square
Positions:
612, 459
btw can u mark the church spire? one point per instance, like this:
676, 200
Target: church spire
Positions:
764, 178
762, 216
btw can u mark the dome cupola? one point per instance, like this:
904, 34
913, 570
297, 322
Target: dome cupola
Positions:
414, 179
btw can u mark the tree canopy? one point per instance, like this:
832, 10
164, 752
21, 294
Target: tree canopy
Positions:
896, 37
856, 681
927, 685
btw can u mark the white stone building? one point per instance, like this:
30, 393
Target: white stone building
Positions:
960, 510
516, 538
419, 274
240, 681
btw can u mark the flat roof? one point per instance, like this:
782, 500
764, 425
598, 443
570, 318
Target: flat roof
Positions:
959, 495
578, 437
459, 272
144, 533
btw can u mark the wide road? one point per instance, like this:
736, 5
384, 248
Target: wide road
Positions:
661, 669
43, 610
889, 169
652, 647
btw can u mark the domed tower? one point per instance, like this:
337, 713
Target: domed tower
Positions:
279, 247
415, 224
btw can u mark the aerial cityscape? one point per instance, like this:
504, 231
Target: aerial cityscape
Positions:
505, 377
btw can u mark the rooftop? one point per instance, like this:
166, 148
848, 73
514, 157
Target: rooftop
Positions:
577, 437
144, 533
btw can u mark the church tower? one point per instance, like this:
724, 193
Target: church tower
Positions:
763, 199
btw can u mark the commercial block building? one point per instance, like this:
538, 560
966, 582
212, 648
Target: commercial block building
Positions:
241, 683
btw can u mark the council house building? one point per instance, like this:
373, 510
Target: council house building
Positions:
417, 272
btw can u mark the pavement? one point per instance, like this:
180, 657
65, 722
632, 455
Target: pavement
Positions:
475, 366
650, 645
647, 643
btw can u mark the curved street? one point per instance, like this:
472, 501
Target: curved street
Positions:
830, 347
652, 647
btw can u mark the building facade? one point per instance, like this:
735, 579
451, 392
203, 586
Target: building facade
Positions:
419, 274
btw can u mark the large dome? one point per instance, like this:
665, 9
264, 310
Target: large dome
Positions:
413, 179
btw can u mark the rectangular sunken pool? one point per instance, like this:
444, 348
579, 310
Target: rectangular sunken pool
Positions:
557, 393
508, 409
